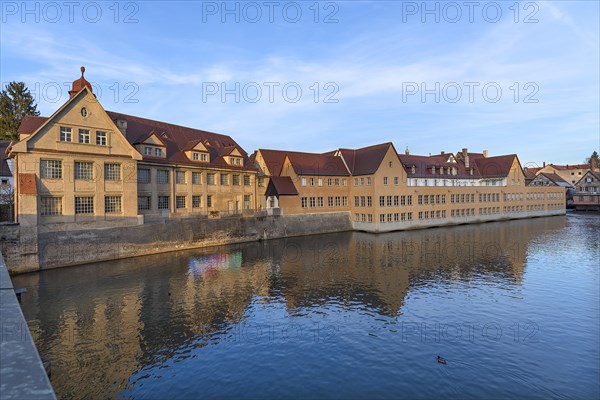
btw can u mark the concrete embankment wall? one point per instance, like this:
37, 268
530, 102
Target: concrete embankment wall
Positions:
22, 374
65, 248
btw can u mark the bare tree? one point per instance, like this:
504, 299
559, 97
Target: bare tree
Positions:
7, 203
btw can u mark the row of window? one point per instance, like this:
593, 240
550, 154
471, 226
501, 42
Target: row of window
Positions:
53, 205
163, 202
154, 151
313, 202
438, 214
319, 181
162, 177
391, 217
84, 136
83, 170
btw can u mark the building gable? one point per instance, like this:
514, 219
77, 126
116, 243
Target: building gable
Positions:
81, 125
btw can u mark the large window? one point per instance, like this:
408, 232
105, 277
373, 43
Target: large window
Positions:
112, 204
196, 201
163, 202
196, 178
210, 178
50, 205
224, 179
51, 169
179, 201
180, 177
246, 180
304, 202
65, 134
84, 136
84, 205
84, 170
101, 138
162, 176
209, 200
236, 179
144, 203
112, 172
143, 175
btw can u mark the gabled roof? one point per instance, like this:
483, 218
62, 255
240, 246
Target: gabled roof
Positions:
142, 139
317, 164
175, 137
273, 160
365, 161
593, 173
281, 186
554, 178
493, 167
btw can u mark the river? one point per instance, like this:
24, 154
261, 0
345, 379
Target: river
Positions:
513, 307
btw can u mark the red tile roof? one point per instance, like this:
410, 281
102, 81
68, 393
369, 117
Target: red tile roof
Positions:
483, 167
177, 139
365, 161
274, 160
317, 164
281, 186
30, 124
494, 167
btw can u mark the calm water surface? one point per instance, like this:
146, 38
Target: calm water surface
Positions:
513, 307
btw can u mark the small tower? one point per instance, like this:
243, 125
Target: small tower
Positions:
78, 84
407, 151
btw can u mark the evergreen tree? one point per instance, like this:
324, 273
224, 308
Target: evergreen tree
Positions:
15, 102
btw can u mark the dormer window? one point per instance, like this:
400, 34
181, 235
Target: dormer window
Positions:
147, 151
441, 170
413, 169
433, 170
471, 171
158, 152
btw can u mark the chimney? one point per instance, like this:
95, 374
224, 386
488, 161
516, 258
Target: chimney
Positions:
593, 164
122, 125
544, 164
485, 154
465, 153
443, 152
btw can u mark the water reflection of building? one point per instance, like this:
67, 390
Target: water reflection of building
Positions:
101, 324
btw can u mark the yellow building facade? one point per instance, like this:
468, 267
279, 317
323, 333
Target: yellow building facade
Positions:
386, 191
87, 167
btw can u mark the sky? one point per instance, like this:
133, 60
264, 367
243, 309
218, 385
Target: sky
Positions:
505, 76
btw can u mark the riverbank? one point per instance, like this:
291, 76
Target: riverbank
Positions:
32, 249
22, 374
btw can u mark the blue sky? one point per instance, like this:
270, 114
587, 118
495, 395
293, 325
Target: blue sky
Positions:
527, 72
